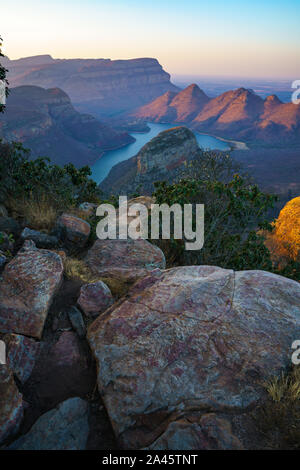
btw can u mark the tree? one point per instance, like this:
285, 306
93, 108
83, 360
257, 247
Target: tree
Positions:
3, 78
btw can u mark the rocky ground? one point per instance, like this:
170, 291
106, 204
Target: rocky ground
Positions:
136, 356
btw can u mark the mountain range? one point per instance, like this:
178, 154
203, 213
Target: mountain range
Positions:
236, 114
102, 87
46, 122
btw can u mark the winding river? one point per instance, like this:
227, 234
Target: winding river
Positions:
103, 166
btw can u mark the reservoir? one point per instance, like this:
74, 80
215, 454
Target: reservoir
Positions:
102, 167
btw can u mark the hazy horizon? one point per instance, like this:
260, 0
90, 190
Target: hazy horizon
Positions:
257, 39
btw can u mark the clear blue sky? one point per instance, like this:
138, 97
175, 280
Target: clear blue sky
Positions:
234, 37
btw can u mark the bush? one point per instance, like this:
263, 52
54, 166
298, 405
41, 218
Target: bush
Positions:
37, 190
233, 212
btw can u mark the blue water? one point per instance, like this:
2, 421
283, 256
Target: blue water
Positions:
103, 166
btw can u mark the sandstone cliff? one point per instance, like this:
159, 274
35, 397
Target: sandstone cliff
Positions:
100, 86
46, 122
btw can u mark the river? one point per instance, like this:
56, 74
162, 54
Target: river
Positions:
102, 167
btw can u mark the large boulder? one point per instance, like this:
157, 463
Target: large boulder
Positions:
27, 287
63, 428
72, 230
192, 338
127, 260
11, 404
95, 298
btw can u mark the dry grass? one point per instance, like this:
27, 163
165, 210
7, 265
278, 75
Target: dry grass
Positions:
278, 420
77, 270
285, 387
38, 214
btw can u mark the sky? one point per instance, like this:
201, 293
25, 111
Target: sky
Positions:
192, 37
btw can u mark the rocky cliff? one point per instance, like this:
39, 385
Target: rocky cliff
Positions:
161, 158
46, 122
236, 114
101, 86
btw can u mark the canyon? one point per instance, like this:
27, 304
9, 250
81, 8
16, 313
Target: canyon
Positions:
46, 122
102, 87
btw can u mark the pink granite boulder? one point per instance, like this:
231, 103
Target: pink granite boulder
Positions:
196, 337
95, 298
127, 260
27, 287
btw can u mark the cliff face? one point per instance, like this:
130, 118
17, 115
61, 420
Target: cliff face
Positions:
236, 114
101, 86
46, 122
160, 159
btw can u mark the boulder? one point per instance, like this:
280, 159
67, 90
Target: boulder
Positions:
10, 225
42, 240
77, 322
95, 298
64, 369
72, 230
127, 260
63, 428
196, 337
27, 287
205, 433
11, 404
22, 353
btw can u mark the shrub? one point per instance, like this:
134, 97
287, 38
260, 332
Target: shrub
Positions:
233, 212
277, 420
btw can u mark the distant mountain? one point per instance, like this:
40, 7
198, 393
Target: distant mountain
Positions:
236, 114
174, 107
99, 86
47, 123
160, 159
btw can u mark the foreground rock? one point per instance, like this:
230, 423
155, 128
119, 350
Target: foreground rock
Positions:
42, 240
127, 260
203, 433
21, 355
27, 287
11, 404
192, 338
95, 298
64, 428
64, 369
73, 230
